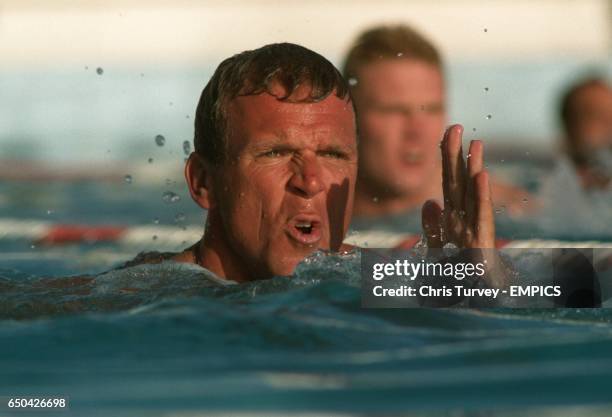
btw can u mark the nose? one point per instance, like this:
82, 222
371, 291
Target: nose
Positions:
414, 125
307, 178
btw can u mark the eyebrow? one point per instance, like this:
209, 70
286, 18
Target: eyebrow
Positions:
279, 143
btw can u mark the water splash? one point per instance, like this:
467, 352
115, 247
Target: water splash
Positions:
160, 140
170, 197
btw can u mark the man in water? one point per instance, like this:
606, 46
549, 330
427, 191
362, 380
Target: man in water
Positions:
397, 82
586, 116
275, 165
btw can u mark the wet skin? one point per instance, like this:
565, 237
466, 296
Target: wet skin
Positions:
285, 190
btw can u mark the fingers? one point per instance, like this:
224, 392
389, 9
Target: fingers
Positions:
485, 220
475, 158
474, 166
432, 223
453, 166
468, 208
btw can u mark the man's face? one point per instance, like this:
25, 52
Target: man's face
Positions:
401, 116
287, 186
592, 118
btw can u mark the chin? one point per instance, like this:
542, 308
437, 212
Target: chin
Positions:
287, 266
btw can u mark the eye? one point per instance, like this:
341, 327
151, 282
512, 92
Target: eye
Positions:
332, 153
275, 153
435, 108
390, 110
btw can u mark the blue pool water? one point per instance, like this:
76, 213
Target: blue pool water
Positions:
285, 346
160, 340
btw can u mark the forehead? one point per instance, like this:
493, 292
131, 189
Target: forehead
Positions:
400, 77
254, 117
599, 93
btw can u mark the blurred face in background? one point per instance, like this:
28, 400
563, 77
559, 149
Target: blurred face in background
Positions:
401, 118
590, 127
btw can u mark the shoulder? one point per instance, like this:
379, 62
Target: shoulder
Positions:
153, 257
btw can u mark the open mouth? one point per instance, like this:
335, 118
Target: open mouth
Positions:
305, 231
305, 227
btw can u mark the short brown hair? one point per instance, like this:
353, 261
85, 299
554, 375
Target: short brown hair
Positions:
384, 42
255, 72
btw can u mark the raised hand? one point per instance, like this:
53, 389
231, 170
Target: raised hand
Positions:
467, 217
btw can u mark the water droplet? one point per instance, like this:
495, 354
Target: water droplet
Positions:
525, 200
49, 212
180, 217
187, 147
142, 74
160, 140
241, 195
156, 220
128, 179
86, 67
154, 237
400, 54
489, 117
352, 81
527, 153
375, 199
150, 160
486, 88
462, 213
32, 246
187, 117
170, 197
100, 71
473, 129
171, 104
469, 155
486, 30
501, 160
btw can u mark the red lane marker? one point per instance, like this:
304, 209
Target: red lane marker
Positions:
500, 243
62, 234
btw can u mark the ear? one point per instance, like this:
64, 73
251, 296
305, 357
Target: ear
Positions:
198, 174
